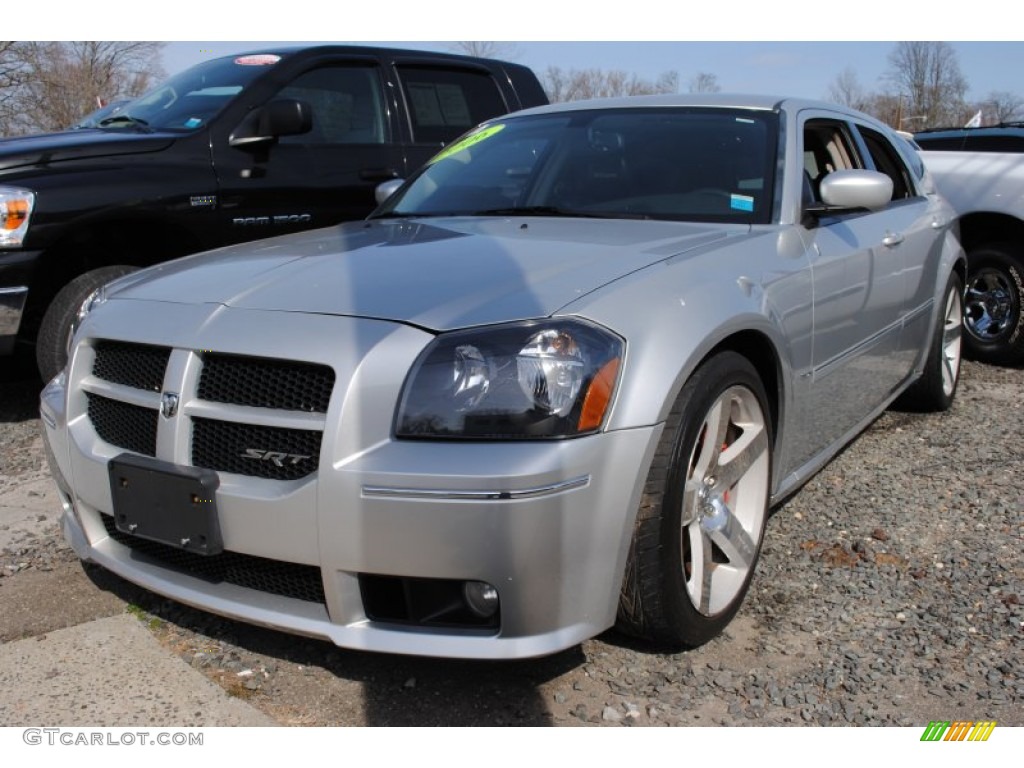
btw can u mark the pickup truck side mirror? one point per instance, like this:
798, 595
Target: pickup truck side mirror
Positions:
283, 117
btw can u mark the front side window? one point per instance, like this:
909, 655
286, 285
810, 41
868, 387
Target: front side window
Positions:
887, 160
658, 163
827, 148
347, 105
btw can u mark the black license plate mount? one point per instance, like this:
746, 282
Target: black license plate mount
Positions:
166, 503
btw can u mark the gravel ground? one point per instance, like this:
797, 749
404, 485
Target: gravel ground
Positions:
889, 592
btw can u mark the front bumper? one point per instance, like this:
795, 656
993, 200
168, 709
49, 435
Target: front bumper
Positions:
15, 277
547, 523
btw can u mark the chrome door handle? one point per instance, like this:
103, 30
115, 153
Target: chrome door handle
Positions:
892, 239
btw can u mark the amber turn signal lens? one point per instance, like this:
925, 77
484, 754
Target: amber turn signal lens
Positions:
599, 396
15, 213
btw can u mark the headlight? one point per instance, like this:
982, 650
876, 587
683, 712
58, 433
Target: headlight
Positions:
92, 301
15, 212
542, 379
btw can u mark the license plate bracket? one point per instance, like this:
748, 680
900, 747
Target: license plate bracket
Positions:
166, 503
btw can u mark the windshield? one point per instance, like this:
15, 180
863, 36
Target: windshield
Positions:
658, 163
192, 98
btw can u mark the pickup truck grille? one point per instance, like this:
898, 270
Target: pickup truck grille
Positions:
239, 442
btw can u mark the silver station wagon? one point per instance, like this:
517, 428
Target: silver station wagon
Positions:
553, 385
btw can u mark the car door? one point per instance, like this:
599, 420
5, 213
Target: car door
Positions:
321, 177
858, 289
915, 219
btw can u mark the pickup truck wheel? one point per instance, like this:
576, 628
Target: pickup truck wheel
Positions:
992, 311
702, 516
53, 339
936, 388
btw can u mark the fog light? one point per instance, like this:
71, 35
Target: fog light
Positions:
481, 598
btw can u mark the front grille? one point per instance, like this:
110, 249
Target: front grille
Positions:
127, 426
263, 383
135, 365
248, 449
302, 582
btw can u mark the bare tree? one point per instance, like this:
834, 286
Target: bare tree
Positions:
57, 83
577, 84
1002, 107
487, 49
704, 82
846, 90
927, 76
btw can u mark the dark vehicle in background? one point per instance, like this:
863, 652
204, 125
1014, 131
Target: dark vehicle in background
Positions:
980, 171
234, 149
96, 118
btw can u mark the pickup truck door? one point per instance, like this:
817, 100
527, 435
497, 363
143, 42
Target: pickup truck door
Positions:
319, 178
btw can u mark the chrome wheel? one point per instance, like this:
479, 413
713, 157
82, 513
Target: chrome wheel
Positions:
951, 341
725, 501
991, 304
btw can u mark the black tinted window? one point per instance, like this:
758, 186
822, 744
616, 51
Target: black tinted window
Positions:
346, 103
445, 103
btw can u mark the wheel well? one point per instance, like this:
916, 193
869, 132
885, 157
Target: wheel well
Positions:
760, 351
138, 242
978, 229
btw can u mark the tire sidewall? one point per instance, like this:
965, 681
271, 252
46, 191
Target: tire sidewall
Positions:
1009, 346
51, 342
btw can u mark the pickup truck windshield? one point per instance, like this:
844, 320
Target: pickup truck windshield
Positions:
192, 98
657, 163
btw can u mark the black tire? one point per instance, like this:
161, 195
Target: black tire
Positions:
658, 600
936, 388
52, 340
993, 320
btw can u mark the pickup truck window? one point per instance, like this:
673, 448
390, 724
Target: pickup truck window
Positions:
187, 101
445, 103
347, 105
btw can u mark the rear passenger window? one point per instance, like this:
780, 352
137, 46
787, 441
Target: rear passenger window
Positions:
888, 161
444, 103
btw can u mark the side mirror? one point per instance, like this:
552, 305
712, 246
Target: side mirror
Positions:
284, 117
386, 189
854, 189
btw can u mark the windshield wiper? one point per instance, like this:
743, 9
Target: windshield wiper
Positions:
553, 210
135, 122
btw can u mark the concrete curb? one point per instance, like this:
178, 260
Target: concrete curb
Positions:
110, 672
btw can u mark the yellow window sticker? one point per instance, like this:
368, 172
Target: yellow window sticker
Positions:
466, 143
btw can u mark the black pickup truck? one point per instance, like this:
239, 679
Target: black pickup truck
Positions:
234, 149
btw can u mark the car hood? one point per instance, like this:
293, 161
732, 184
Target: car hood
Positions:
438, 273
75, 145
